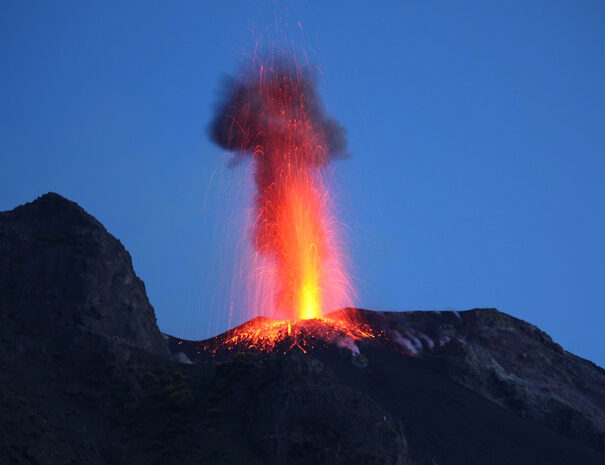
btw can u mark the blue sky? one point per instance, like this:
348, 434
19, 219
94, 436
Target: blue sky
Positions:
477, 128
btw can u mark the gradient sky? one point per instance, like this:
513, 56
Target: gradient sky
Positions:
477, 128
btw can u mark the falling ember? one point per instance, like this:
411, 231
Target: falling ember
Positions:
272, 114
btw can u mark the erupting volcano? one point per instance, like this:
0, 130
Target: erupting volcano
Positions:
273, 115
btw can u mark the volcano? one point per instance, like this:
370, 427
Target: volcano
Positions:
87, 377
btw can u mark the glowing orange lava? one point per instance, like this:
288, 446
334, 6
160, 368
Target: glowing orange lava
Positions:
267, 335
273, 113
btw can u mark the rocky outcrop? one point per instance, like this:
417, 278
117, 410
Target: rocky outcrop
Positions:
508, 361
60, 268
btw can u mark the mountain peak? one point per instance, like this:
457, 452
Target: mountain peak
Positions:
61, 268
53, 210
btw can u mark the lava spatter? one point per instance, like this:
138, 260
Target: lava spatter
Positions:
272, 114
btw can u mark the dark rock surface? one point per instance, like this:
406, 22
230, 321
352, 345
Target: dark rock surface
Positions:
510, 362
61, 268
86, 377
411, 375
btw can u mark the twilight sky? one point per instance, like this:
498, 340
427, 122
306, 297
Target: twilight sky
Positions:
477, 128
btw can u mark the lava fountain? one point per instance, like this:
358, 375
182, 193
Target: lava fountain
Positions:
272, 114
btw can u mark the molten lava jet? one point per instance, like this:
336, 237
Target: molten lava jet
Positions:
273, 115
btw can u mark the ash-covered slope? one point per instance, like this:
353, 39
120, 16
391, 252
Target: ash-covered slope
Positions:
86, 377
467, 387
510, 362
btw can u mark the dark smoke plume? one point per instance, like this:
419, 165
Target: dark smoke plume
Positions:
272, 113
245, 115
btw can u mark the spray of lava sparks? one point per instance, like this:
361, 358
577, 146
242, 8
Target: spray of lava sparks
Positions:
272, 114
268, 335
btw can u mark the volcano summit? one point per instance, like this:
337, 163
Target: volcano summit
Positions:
87, 377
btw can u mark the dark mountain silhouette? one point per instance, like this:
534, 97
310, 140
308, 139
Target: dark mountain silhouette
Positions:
86, 377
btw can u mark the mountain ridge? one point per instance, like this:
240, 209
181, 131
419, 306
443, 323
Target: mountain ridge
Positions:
87, 377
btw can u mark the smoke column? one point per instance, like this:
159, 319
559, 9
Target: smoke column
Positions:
272, 115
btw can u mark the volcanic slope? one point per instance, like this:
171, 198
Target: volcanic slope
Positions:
86, 377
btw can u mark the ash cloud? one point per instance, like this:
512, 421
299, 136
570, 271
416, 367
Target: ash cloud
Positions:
245, 116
